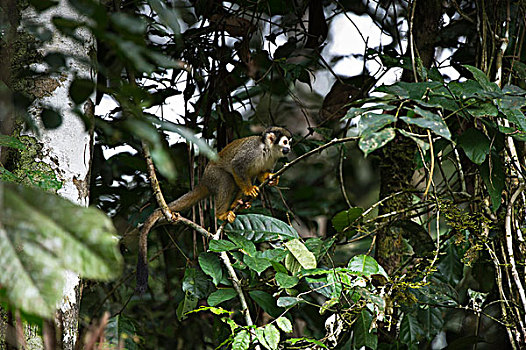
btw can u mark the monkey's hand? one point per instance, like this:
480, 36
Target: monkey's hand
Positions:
252, 191
228, 216
273, 180
242, 204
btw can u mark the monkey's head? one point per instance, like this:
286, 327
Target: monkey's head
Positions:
278, 140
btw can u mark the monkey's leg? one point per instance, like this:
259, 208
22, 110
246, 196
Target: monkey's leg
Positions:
225, 194
245, 184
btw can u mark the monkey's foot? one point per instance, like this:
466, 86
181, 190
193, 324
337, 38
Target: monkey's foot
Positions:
252, 191
243, 204
273, 180
228, 216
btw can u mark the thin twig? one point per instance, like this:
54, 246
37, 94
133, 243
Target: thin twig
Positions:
509, 245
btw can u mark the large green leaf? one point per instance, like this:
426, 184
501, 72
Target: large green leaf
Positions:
266, 302
121, 329
241, 340
475, 144
41, 236
362, 334
345, 218
220, 296
260, 228
482, 79
196, 283
306, 259
257, 262
494, 178
372, 122
366, 266
411, 332
371, 142
286, 281
414, 91
428, 120
211, 265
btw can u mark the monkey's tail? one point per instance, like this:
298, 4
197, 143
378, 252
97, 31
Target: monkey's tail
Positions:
184, 202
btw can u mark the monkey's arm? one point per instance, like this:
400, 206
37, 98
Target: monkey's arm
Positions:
273, 180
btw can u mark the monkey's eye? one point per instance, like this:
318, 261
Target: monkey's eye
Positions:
285, 141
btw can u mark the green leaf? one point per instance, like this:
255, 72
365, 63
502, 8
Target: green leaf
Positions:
80, 89
371, 142
366, 266
211, 265
241, 340
195, 282
271, 336
13, 142
220, 296
450, 266
510, 105
186, 306
411, 333
288, 301
121, 329
167, 16
187, 134
475, 144
285, 281
260, 336
50, 118
372, 122
428, 120
41, 237
292, 264
221, 245
267, 302
482, 78
431, 320
319, 247
244, 244
307, 340
420, 143
275, 255
362, 335
261, 228
284, 324
494, 178
257, 262
345, 218
414, 91
163, 161
306, 259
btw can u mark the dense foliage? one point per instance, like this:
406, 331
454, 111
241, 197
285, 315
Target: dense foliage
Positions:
405, 230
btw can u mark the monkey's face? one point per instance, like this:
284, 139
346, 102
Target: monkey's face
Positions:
278, 140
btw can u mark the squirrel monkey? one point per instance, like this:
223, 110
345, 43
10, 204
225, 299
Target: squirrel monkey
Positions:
229, 178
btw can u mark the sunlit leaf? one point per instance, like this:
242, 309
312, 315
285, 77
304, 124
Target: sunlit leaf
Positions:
42, 236
306, 259
261, 228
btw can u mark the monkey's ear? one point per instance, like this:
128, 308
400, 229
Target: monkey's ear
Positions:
271, 137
